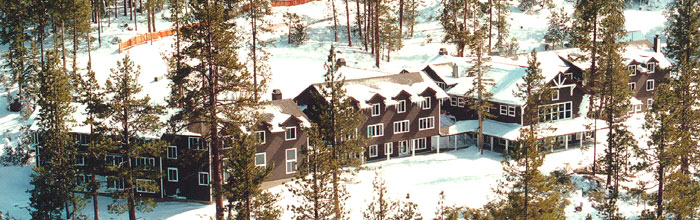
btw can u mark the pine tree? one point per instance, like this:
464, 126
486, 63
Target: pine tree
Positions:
444, 212
408, 210
54, 176
256, 14
132, 116
243, 190
504, 44
13, 32
558, 29
296, 34
79, 27
390, 33
381, 207
456, 30
682, 192
411, 14
534, 5
480, 91
215, 71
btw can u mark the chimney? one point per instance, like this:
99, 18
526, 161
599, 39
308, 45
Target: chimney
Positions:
443, 51
657, 44
455, 70
340, 62
276, 94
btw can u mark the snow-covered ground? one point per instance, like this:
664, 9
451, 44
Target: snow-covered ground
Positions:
466, 177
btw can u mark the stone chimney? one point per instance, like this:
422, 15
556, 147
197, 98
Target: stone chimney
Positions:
443, 52
276, 94
455, 70
657, 44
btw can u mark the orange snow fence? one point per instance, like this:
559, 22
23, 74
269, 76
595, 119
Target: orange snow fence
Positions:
283, 3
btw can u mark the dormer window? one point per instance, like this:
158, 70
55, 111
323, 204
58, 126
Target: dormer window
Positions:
290, 133
652, 67
426, 103
401, 107
261, 136
555, 95
376, 110
632, 69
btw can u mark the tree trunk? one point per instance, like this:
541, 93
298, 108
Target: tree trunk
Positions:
254, 28
490, 21
347, 16
148, 19
153, 19
125, 8
75, 50
359, 23
593, 73
95, 205
63, 46
368, 14
99, 28
660, 191
136, 27
376, 33
401, 17
335, 21
370, 25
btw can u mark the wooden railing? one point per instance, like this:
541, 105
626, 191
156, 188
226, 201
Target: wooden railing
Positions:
153, 36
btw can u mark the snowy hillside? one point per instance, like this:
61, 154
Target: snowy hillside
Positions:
467, 177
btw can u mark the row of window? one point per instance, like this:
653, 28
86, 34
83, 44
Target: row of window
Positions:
404, 147
401, 106
555, 111
377, 130
195, 143
290, 160
649, 85
651, 66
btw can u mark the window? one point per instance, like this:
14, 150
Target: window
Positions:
504, 110
146, 162
401, 107
82, 139
650, 85
460, 102
195, 143
673, 74
373, 151
145, 186
226, 166
420, 143
453, 100
441, 85
638, 108
172, 152
172, 174
632, 69
261, 159
511, 110
291, 160
633, 86
388, 148
376, 110
79, 179
115, 183
403, 147
555, 112
203, 178
80, 160
261, 136
555, 95
401, 127
114, 160
290, 133
652, 67
426, 103
650, 102
426, 123
375, 130
501, 141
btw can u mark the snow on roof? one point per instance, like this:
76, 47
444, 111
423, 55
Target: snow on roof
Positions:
641, 51
388, 86
279, 111
505, 78
511, 131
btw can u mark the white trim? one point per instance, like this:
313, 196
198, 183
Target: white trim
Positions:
398, 106
167, 152
376, 151
650, 102
427, 103
417, 141
503, 110
388, 148
286, 133
264, 162
653, 86
263, 139
81, 161
177, 174
403, 126
555, 98
460, 102
199, 178
511, 113
287, 160
144, 190
453, 100
633, 69
633, 86
378, 130
653, 67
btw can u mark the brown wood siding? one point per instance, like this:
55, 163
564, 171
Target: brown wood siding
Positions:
189, 163
466, 112
275, 150
640, 79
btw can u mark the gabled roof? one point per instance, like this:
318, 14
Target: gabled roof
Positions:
388, 86
277, 112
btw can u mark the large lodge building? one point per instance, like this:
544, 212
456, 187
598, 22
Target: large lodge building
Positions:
407, 113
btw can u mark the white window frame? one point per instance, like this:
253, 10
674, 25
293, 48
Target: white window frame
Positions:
262, 137
144, 190
401, 127
426, 104
376, 109
453, 100
82, 181
504, 110
373, 151
116, 183
441, 85
377, 128
511, 110
286, 133
555, 95
388, 148
401, 106
650, 102
633, 86
460, 102
264, 164
168, 150
554, 111
177, 174
633, 69
199, 178
417, 143
652, 85
638, 108
652, 67
426, 123
149, 161
80, 161
201, 145
292, 161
